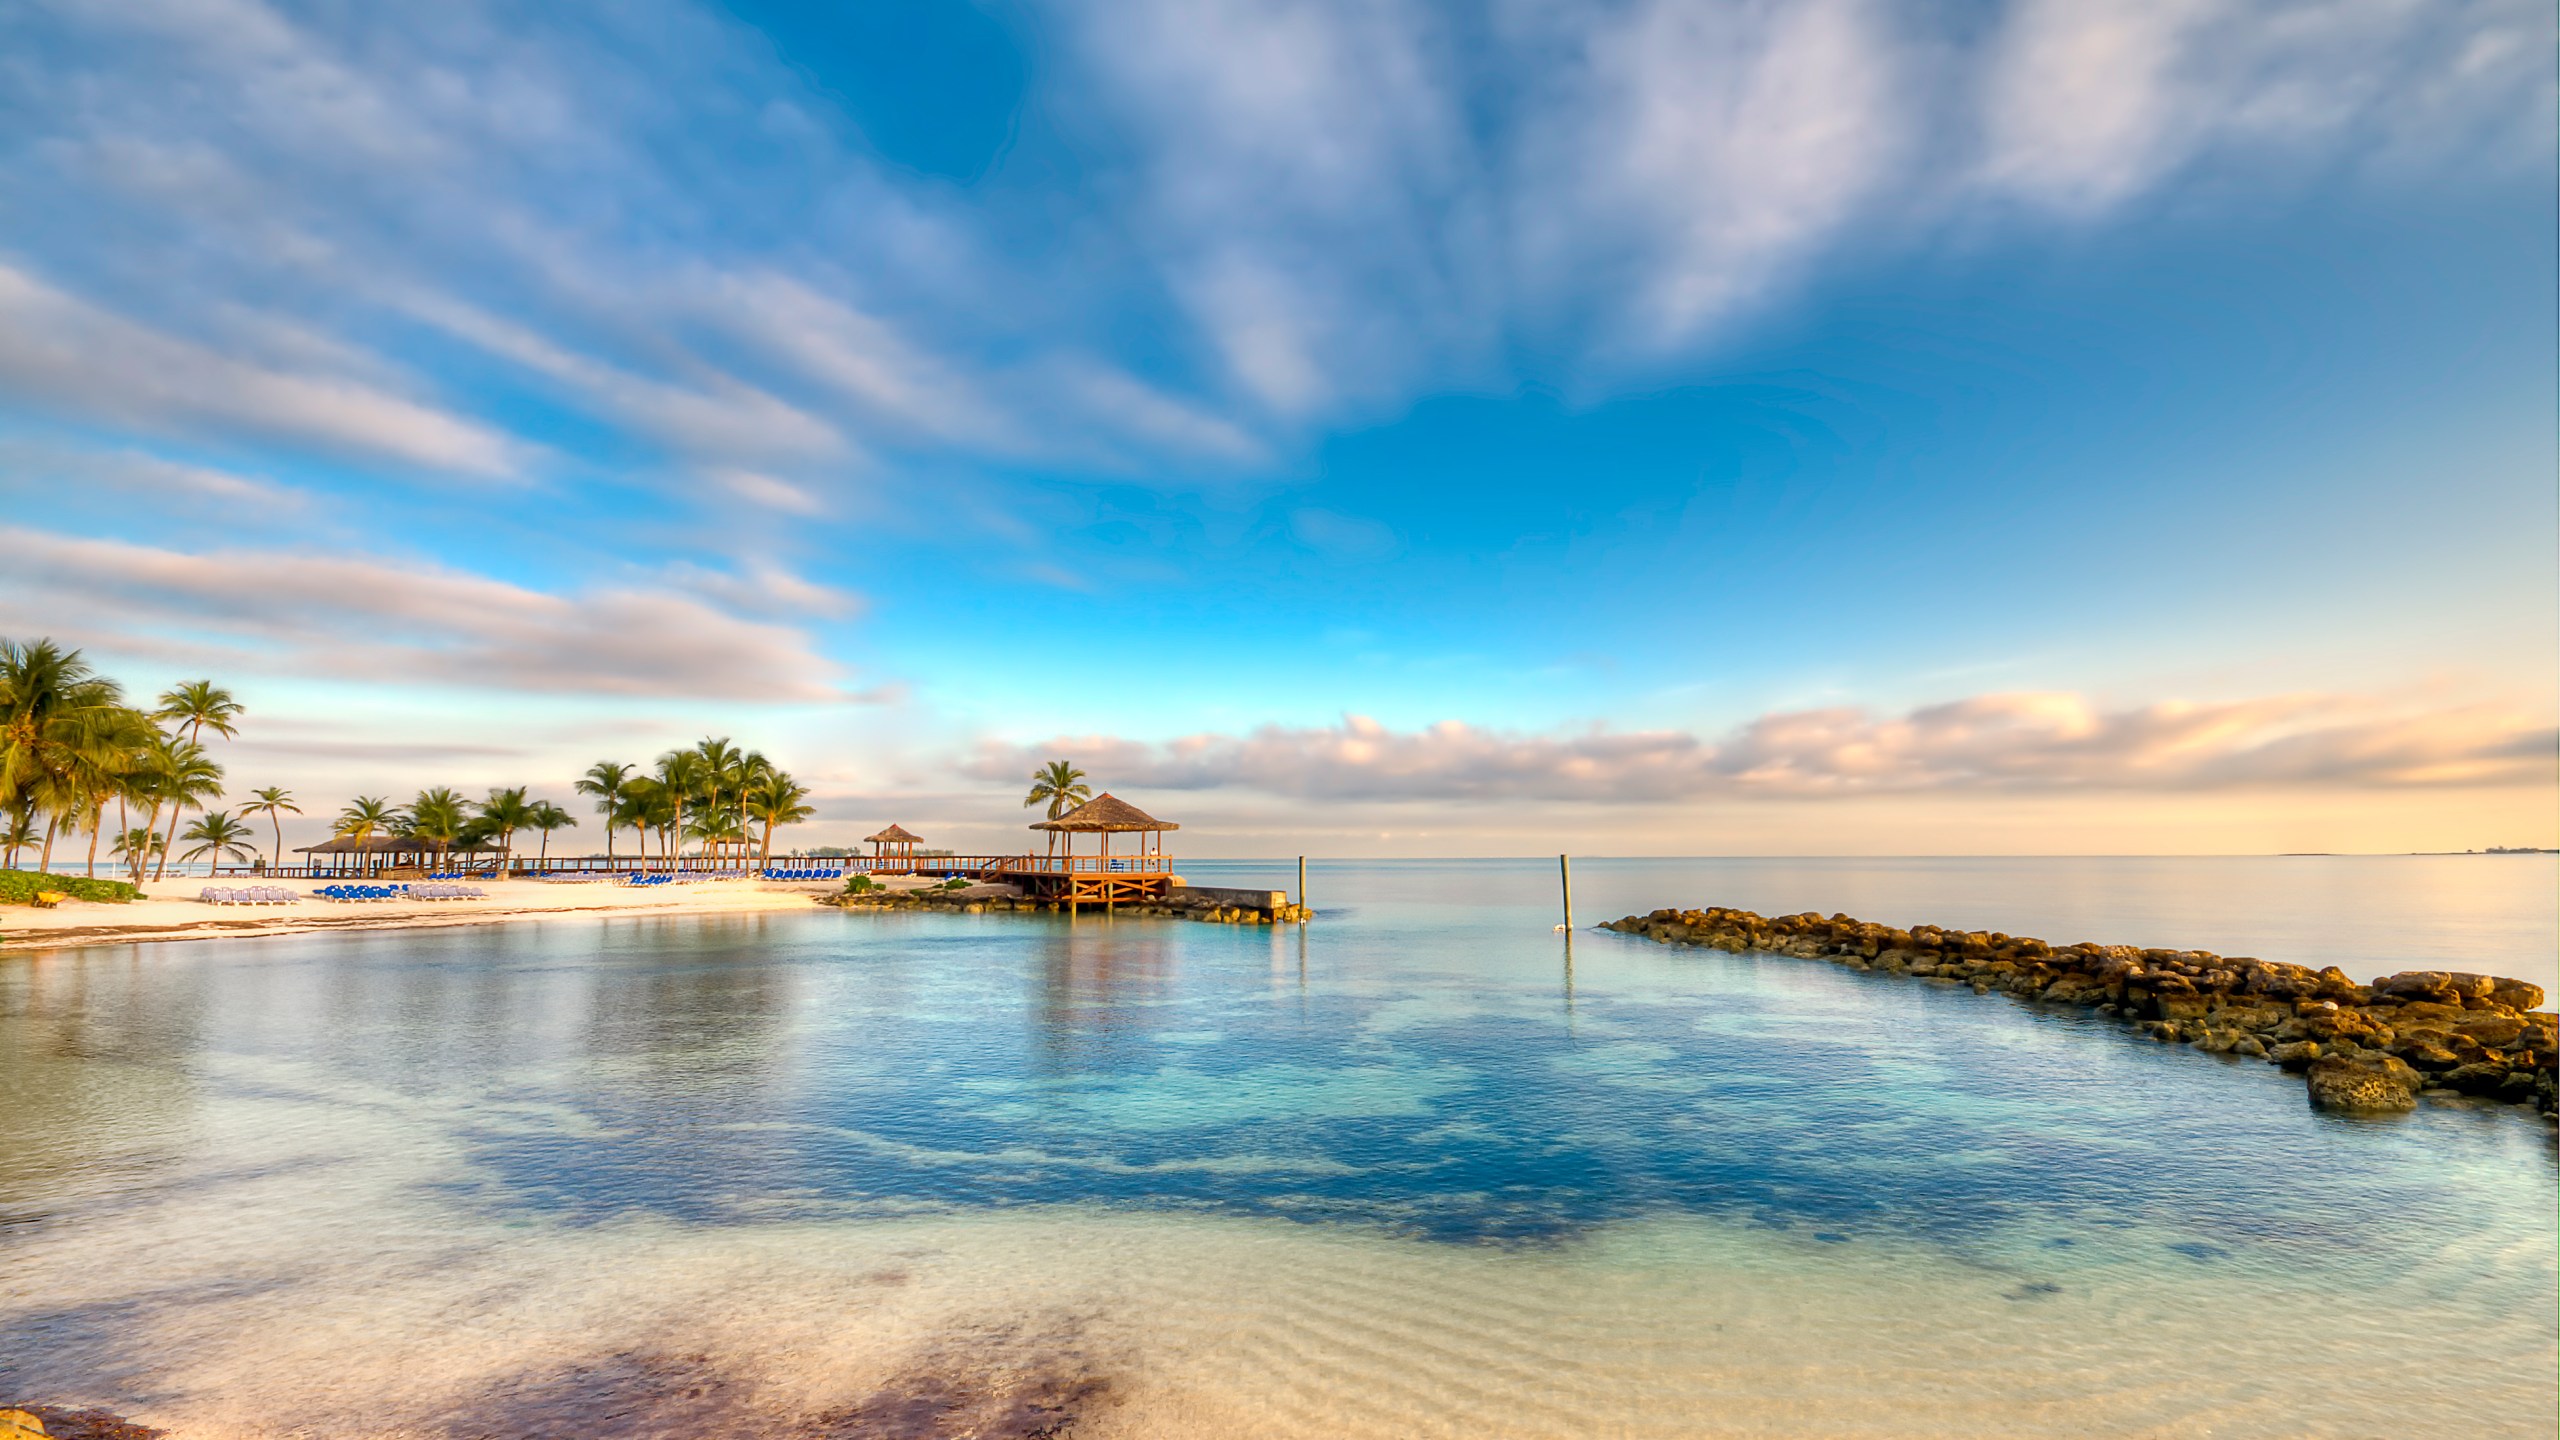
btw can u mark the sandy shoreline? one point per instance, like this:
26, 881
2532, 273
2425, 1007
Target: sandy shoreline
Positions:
170, 910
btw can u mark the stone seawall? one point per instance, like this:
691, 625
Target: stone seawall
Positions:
2359, 1047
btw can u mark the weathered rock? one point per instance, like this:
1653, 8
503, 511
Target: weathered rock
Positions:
2424, 1053
2494, 1030
2367, 1083
2297, 1055
2516, 994
2485, 1078
2444, 986
20, 1425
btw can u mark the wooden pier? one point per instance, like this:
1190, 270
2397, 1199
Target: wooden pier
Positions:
1069, 879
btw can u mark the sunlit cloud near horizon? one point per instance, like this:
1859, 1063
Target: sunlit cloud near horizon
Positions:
1828, 427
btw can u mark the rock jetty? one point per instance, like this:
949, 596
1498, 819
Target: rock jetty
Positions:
2359, 1047
54, 1422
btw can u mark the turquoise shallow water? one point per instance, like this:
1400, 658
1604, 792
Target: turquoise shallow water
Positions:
1412, 1169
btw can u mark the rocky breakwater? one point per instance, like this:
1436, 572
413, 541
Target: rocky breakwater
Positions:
2359, 1047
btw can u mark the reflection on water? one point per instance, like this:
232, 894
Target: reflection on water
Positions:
1424, 1167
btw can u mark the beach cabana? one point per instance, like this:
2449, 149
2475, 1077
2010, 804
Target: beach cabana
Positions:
345, 854
1104, 816
893, 844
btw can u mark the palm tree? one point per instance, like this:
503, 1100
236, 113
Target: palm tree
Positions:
1062, 785
547, 817
218, 835
722, 771
182, 775
369, 815
275, 802
503, 814
136, 846
99, 751
437, 818
776, 799
195, 706
17, 832
45, 694
717, 829
604, 780
638, 800
680, 777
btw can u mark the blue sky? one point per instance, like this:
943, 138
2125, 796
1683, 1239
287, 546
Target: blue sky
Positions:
1820, 426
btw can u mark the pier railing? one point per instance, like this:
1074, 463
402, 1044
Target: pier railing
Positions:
983, 866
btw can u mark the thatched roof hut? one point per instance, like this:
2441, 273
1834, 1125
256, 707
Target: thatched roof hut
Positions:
894, 835
344, 849
389, 845
1105, 813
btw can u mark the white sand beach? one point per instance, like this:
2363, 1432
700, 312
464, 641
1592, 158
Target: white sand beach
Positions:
171, 909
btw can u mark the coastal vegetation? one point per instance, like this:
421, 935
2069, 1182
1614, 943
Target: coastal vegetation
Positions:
134, 784
1061, 786
72, 747
20, 887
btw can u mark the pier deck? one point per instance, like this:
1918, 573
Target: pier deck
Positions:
1073, 879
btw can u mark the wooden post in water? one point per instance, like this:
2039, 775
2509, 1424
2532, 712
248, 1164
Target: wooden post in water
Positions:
1302, 882
1564, 867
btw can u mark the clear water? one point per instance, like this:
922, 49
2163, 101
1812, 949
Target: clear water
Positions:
1404, 1172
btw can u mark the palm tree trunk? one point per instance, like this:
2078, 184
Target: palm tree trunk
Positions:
279, 824
150, 822
51, 824
94, 817
764, 861
160, 869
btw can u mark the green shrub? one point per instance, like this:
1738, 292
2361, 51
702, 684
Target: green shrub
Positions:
860, 885
19, 887
956, 882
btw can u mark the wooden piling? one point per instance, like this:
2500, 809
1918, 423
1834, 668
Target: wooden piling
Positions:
1302, 882
1564, 867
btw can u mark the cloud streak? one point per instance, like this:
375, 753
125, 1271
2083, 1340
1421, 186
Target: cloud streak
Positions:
1991, 743
79, 359
1302, 212
397, 622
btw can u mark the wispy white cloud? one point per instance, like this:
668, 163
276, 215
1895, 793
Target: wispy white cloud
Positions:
1308, 187
2087, 104
2001, 742
1332, 208
152, 479
80, 359
1722, 147
357, 617
714, 419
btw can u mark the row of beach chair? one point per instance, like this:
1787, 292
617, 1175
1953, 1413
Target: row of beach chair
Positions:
804, 874
400, 892
247, 895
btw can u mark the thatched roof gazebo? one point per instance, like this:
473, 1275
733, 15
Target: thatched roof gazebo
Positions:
1107, 815
341, 851
894, 843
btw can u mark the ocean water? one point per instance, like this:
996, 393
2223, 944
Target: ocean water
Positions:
1417, 1169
